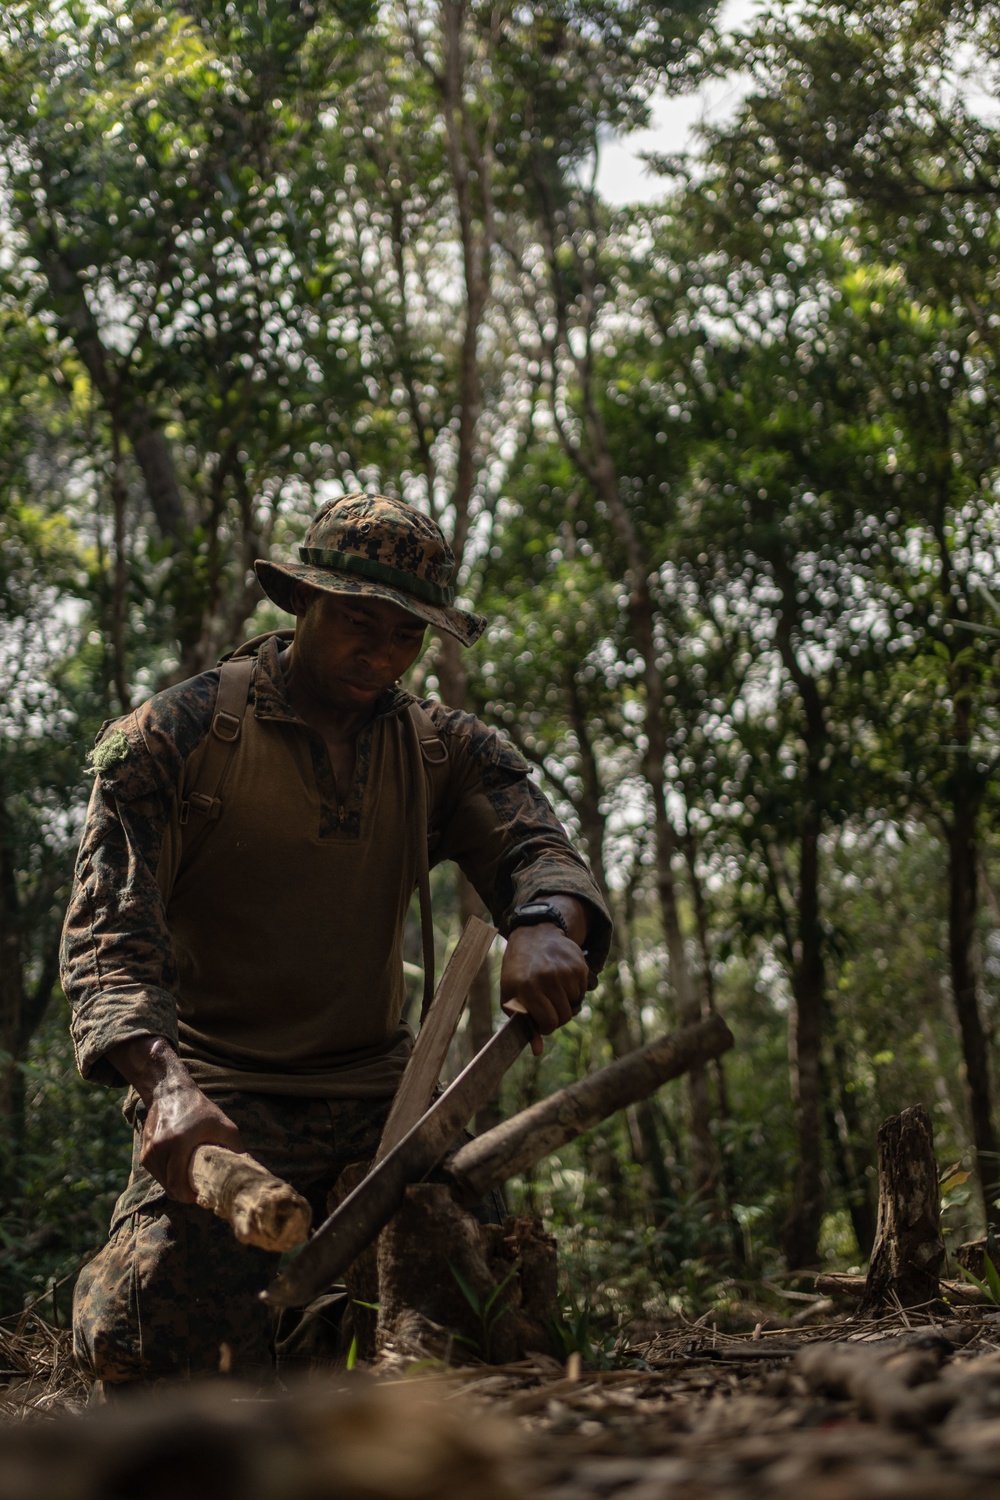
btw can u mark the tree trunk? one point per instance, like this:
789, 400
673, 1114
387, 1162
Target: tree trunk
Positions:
801, 1231
22, 1006
909, 1251
12, 1003
843, 1134
962, 911
642, 614
800, 1235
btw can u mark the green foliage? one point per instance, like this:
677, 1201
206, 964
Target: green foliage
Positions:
73, 1162
989, 1289
486, 1310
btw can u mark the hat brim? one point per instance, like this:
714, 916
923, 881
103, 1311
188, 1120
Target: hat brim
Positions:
278, 579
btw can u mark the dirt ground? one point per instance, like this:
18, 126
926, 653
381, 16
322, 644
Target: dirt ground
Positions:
843, 1410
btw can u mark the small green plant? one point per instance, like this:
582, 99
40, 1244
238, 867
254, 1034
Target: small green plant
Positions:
575, 1331
989, 1287
352, 1353
489, 1311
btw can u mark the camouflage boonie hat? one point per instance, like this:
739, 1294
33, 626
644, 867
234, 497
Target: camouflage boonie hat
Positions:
383, 548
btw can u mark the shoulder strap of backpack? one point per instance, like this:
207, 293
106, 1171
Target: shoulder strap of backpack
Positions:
227, 725
235, 676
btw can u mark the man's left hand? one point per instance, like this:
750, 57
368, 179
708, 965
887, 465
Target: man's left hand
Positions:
546, 971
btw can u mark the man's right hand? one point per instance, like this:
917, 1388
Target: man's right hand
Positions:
179, 1117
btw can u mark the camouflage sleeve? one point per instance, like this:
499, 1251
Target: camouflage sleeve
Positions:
502, 832
117, 961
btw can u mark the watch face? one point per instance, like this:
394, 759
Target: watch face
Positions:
533, 913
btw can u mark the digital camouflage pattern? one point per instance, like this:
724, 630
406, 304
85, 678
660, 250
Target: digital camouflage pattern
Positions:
374, 545
119, 966
173, 1286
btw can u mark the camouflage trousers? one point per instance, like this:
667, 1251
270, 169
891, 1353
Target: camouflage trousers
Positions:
173, 1285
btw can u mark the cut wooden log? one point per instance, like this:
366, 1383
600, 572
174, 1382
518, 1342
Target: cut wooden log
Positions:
909, 1251
515, 1146
260, 1208
423, 1070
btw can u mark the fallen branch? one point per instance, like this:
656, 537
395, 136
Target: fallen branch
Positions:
516, 1144
840, 1284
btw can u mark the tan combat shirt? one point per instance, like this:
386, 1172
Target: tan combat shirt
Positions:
267, 947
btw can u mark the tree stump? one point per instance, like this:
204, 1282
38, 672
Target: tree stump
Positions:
453, 1289
909, 1251
972, 1257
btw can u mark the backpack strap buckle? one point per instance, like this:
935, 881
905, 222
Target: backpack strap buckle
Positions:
227, 726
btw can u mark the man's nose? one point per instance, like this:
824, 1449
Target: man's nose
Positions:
377, 650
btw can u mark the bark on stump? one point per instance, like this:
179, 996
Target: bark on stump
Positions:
451, 1288
909, 1251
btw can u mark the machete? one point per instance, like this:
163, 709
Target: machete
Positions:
352, 1226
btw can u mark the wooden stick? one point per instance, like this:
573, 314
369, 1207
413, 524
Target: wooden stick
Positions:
424, 1067
260, 1208
515, 1145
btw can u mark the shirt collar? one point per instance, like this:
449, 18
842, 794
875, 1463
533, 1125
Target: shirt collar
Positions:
271, 702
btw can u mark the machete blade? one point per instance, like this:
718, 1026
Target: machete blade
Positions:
367, 1210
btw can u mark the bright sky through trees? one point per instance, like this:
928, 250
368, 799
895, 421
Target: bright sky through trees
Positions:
623, 177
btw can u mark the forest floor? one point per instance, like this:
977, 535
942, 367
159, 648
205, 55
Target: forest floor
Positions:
849, 1409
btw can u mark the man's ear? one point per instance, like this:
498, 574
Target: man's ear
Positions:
302, 597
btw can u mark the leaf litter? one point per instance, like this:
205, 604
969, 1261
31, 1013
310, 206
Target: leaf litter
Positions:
848, 1409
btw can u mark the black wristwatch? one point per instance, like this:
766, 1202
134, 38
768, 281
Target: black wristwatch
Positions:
532, 913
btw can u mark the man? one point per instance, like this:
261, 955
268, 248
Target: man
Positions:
233, 946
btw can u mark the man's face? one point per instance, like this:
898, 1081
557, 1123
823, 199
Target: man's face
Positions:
349, 648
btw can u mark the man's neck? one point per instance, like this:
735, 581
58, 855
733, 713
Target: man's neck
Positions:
334, 721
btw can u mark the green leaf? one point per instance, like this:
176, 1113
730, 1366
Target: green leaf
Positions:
992, 1278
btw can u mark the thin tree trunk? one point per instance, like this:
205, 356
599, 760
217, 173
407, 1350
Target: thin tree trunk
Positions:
119, 591
805, 1036
642, 614
961, 832
21, 1007
962, 912
843, 1130
801, 1231
12, 995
